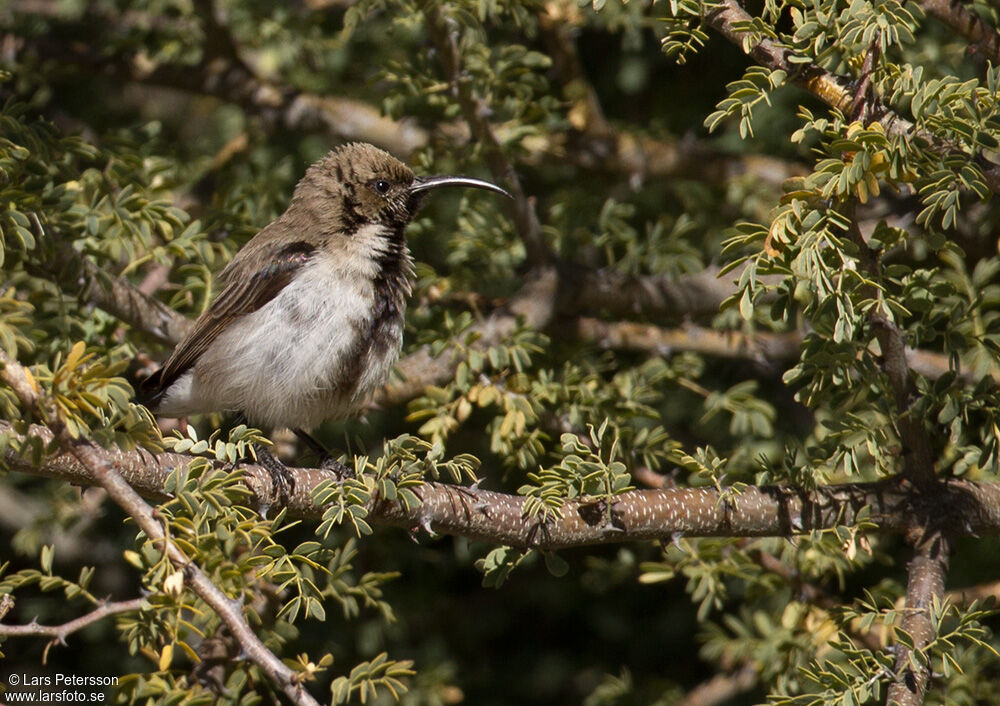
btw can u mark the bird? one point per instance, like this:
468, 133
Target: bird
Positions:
308, 322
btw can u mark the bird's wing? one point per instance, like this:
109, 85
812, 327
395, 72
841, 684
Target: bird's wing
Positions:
251, 284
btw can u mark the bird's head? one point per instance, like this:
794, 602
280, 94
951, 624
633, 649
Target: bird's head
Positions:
358, 184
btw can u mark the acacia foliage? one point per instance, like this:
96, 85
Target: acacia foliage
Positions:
835, 159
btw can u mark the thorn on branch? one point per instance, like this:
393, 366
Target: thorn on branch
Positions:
425, 525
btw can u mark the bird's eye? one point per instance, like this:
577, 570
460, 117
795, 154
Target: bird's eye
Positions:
382, 187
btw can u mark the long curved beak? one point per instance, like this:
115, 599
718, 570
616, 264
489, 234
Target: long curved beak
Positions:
421, 184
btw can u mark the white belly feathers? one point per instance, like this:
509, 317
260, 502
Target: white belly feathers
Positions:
305, 356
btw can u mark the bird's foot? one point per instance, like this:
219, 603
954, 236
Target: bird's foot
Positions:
282, 481
327, 462
339, 471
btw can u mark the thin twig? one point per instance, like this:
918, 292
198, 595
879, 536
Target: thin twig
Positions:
722, 688
811, 593
957, 16
59, 633
443, 33
763, 347
98, 465
729, 19
918, 455
19, 510
586, 114
980, 592
6, 605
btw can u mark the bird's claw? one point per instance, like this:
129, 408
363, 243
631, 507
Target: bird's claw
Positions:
282, 481
339, 470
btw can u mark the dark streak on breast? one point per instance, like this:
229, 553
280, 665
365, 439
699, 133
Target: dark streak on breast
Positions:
390, 288
378, 334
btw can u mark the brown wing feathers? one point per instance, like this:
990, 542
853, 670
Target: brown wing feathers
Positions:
241, 296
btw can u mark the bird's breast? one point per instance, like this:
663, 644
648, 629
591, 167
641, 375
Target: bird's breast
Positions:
349, 326
317, 350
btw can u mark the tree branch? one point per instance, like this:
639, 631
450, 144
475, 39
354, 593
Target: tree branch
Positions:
618, 294
499, 518
925, 583
981, 592
583, 289
233, 82
763, 347
932, 549
59, 633
728, 19
100, 468
918, 456
634, 155
722, 688
77, 275
567, 288
443, 33
967, 23
533, 306
595, 144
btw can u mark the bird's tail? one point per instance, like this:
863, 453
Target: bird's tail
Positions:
149, 392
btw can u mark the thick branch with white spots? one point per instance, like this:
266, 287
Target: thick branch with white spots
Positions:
635, 515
